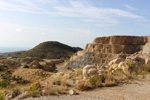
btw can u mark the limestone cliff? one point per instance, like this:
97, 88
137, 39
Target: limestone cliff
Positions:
104, 49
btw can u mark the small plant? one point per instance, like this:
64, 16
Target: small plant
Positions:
144, 73
2, 96
49, 90
32, 90
4, 83
110, 82
95, 81
57, 81
129, 63
82, 85
79, 72
25, 66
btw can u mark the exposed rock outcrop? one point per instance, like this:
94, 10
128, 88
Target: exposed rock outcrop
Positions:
105, 49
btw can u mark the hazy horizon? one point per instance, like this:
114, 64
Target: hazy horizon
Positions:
13, 49
26, 23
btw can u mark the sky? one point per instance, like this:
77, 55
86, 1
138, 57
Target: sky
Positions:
26, 23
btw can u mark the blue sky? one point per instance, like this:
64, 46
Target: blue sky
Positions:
26, 23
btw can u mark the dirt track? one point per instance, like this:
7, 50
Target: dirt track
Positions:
140, 90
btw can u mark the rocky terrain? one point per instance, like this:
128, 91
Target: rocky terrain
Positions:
110, 68
105, 49
49, 50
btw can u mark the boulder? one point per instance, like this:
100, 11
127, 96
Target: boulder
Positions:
115, 62
123, 66
22, 96
88, 71
72, 92
15, 93
147, 61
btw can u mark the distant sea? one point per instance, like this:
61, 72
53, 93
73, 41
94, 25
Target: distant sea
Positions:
12, 49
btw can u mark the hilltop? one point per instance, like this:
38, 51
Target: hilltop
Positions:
49, 50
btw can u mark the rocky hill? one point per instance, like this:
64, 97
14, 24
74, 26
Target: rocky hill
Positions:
49, 50
105, 49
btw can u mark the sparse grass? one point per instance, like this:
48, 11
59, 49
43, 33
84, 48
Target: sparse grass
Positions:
79, 72
33, 89
2, 96
95, 81
57, 81
83, 85
110, 82
51, 90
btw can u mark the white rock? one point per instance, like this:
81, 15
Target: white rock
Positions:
89, 70
72, 92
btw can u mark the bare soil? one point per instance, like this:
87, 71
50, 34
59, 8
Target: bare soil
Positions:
138, 90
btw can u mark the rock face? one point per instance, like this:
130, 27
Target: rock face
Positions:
105, 49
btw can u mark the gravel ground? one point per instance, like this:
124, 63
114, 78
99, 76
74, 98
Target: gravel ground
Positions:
68, 97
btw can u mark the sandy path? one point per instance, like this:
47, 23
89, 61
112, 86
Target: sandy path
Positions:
138, 91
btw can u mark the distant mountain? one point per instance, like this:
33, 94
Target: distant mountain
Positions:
9, 53
49, 50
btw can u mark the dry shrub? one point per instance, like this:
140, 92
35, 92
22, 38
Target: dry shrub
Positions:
57, 81
33, 89
95, 81
54, 90
48, 90
83, 85
79, 72
110, 82
63, 82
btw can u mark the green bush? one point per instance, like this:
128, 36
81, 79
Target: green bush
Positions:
25, 66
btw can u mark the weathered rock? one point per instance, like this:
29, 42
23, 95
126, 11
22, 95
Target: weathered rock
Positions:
105, 49
7, 97
72, 92
70, 82
88, 71
147, 61
15, 93
22, 96
146, 49
123, 66
81, 61
115, 61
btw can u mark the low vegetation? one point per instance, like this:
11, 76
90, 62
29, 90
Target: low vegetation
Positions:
7, 79
49, 50
62, 82
2, 96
